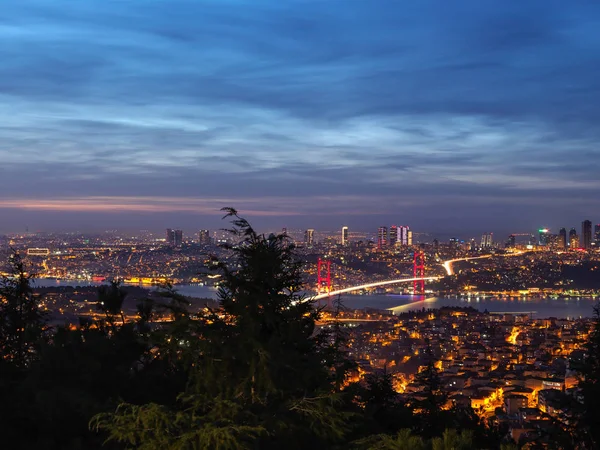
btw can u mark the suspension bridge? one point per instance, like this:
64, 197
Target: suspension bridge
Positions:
324, 290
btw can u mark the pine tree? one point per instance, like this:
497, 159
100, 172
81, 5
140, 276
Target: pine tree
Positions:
110, 302
435, 398
22, 322
259, 375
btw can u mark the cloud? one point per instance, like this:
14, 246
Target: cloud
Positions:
301, 101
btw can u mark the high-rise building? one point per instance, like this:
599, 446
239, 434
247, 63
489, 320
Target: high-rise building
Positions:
403, 232
382, 237
487, 240
562, 238
170, 237
472, 245
586, 234
344, 235
284, 231
203, 237
178, 238
309, 237
174, 238
512, 241
573, 238
543, 234
554, 242
597, 234
409, 237
393, 235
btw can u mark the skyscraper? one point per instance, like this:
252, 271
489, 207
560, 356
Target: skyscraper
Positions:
309, 236
174, 238
512, 241
178, 238
382, 237
573, 238
393, 235
562, 238
344, 235
586, 234
203, 237
597, 234
403, 233
170, 237
487, 240
409, 237
543, 234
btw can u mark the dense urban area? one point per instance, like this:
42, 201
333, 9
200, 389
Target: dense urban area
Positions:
517, 375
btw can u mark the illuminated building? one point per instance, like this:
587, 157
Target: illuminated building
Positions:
393, 235
403, 233
203, 237
38, 252
309, 236
170, 238
382, 237
562, 238
586, 234
487, 240
178, 238
174, 237
512, 241
554, 241
573, 238
543, 234
597, 234
409, 237
344, 235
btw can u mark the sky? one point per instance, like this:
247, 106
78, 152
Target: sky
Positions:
460, 116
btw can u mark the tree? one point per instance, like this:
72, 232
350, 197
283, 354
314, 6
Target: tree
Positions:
22, 322
258, 373
452, 440
430, 408
383, 410
110, 301
590, 385
403, 440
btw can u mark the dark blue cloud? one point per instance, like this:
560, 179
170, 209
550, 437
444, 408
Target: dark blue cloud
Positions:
482, 112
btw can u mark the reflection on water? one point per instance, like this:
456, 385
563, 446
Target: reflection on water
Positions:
541, 307
191, 290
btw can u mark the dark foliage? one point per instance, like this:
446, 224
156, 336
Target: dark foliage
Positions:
254, 373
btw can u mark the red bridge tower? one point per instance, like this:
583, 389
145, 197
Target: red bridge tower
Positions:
419, 272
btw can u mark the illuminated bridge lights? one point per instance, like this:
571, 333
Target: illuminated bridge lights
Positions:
371, 285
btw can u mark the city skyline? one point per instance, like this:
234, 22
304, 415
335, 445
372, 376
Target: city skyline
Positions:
480, 116
392, 234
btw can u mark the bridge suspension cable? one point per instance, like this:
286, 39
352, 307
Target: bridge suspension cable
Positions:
371, 285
